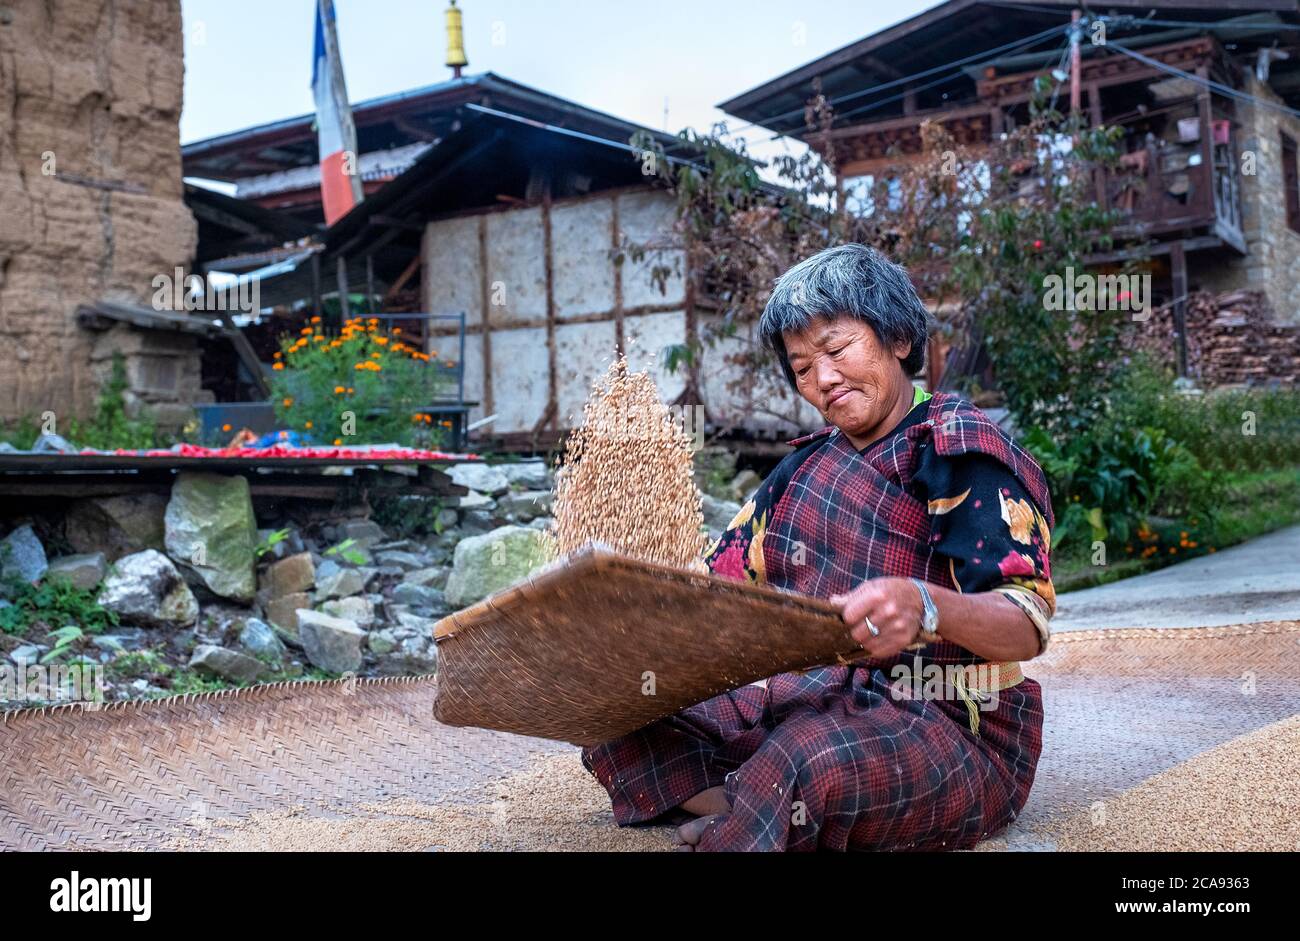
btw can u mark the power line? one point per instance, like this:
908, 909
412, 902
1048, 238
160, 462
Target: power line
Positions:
947, 67
1226, 90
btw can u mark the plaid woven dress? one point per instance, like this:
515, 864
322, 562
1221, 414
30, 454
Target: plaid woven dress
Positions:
848, 757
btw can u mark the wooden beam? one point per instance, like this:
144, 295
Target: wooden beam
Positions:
405, 276
1178, 269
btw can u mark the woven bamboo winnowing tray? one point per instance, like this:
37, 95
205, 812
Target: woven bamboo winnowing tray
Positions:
598, 645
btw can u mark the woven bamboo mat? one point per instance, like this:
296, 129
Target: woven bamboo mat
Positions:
1120, 705
600, 644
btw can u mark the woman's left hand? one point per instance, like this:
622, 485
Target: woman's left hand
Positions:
892, 604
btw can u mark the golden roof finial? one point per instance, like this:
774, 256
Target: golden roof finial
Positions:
455, 40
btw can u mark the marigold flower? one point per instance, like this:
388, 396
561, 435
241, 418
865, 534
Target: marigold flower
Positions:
278, 366
225, 427
338, 390
287, 402
305, 331
307, 425
315, 319
338, 441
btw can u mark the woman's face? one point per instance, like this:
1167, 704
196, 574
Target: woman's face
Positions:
854, 380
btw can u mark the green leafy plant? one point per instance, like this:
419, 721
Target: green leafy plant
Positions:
407, 514
53, 601
272, 540
138, 663
65, 638
362, 386
110, 427
346, 551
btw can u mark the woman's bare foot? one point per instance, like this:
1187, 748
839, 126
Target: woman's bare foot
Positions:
689, 834
708, 803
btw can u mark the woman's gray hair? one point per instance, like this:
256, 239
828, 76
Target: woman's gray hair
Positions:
847, 281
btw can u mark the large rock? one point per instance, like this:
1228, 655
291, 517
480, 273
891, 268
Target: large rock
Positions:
146, 589
259, 639
527, 475
496, 560
289, 576
283, 615
475, 501
117, 526
718, 514
435, 577
525, 505
361, 611
84, 571
409, 656
405, 560
340, 583
22, 557
481, 477
223, 662
365, 533
332, 644
744, 484
211, 530
419, 596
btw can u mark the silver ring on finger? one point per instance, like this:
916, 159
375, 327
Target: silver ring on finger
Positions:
875, 631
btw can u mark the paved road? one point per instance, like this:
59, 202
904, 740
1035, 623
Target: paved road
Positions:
1255, 581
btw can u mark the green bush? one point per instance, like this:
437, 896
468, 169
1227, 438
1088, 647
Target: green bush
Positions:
364, 385
56, 602
110, 428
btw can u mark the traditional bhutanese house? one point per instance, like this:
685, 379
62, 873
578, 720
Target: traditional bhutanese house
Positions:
1206, 94
518, 210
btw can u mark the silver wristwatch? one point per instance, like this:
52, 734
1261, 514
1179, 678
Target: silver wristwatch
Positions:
930, 616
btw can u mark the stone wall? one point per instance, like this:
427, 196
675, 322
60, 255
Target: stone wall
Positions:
90, 197
1273, 262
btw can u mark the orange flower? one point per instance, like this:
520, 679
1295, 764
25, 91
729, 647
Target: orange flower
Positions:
338, 441
397, 329
287, 402
306, 331
351, 390
307, 425
338, 390
278, 366
278, 355
315, 320
225, 427
381, 340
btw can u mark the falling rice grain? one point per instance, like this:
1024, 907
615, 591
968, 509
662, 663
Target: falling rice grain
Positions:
626, 478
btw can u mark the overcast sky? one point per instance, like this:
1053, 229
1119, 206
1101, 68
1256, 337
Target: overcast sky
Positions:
249, 61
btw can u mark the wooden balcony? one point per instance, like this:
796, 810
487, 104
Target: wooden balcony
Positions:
1172, 189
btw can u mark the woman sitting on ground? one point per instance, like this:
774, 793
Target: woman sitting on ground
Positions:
929, 527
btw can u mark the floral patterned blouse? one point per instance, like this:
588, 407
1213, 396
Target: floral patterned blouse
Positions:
982, 520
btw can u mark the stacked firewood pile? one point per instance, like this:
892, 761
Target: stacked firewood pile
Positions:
1232, 339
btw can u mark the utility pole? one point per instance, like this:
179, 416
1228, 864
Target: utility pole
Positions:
1075, 92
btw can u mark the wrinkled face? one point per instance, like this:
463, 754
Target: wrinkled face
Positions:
853, 379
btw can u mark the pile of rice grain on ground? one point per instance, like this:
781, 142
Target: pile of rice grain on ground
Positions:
553, 805
626, 478
1241, 796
